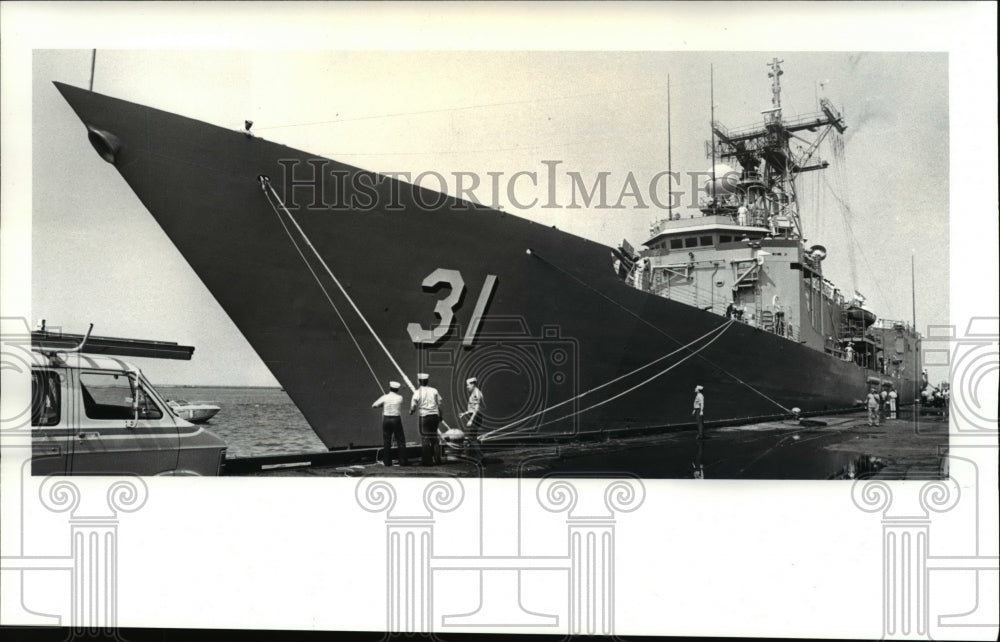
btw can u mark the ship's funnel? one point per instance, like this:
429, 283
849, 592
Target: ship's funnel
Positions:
817, 252
106, 143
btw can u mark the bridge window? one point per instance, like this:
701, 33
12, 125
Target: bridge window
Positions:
676, 244
725, 239
691, 241
704, 240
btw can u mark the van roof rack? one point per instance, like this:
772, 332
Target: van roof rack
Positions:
45, 340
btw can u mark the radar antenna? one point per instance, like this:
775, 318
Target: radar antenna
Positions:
768, 164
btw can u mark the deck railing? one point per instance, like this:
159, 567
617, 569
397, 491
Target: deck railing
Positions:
889, 324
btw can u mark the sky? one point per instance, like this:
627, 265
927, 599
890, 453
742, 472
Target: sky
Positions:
99, 257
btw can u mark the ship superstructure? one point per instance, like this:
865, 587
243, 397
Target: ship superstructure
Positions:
745, 256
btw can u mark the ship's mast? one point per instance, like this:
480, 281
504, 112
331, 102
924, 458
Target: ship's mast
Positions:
913, 298
769, 165
670, 165
786, 196
711, 82
775, 75
913, 288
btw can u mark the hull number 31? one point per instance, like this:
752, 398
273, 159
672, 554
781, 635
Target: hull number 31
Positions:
445, 308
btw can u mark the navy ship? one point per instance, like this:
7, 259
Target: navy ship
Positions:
342, 279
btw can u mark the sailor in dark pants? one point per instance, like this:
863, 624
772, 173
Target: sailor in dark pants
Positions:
699, 411
427, 402
474, 411
392, 424
430, 445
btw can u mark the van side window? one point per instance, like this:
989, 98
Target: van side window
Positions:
108, 395
45, 398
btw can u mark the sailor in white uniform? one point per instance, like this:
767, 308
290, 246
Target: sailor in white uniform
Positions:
392, 424
427, 402
474, 411
699, 410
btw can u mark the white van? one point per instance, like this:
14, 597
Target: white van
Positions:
98, 415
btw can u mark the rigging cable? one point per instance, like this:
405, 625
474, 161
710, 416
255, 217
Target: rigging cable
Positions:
515, 148
719, 331
846, 211
631, 91
266, 186
840, 178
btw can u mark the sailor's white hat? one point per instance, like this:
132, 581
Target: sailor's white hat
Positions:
423, 376
698, 388
394, 385
471, 380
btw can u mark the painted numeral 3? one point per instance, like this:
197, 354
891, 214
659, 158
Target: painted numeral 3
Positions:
445, 308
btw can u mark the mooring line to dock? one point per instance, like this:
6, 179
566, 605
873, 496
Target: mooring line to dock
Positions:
265, 184
658, 329
719, 331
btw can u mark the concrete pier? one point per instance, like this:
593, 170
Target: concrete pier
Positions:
830, 447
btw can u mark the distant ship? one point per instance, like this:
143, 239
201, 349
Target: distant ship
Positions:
565, 335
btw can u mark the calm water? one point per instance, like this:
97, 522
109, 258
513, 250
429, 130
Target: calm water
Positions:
253, 421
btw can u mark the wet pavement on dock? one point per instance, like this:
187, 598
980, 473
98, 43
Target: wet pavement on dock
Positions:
843, 447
